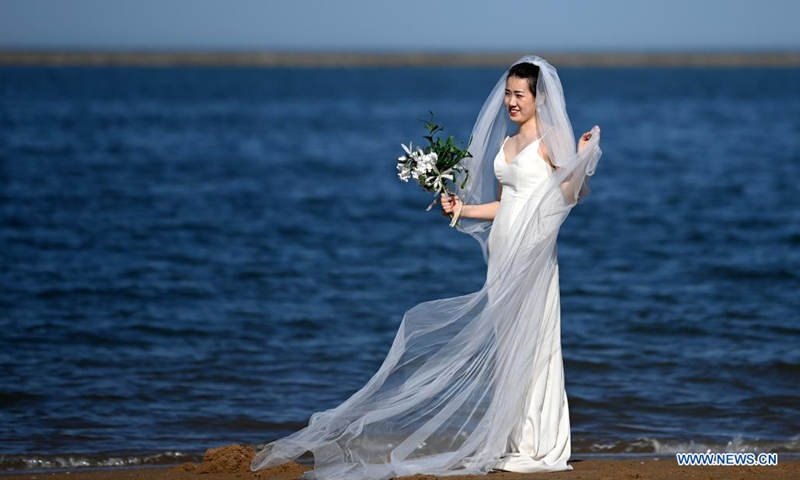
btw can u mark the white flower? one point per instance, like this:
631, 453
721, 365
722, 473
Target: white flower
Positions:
403, 172
430, 162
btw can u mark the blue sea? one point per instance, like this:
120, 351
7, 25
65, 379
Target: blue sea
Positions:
192, 257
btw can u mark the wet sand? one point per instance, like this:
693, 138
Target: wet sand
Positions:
232, 462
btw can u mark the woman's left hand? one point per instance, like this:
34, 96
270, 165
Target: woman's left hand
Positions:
586, 136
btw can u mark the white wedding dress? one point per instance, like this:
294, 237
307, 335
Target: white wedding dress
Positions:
541, 440
473, 383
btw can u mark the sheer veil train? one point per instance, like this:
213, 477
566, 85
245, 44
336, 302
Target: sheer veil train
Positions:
458, 375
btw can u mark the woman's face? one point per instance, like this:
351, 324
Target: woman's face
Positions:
519, 100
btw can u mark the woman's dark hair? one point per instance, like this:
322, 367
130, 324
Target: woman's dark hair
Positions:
527, 71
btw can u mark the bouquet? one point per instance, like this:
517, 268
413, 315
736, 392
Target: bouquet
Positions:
434, 166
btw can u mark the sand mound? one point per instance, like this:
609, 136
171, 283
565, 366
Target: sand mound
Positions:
235, 459
227, 459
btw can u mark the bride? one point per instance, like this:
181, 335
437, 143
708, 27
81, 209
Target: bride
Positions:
475, 383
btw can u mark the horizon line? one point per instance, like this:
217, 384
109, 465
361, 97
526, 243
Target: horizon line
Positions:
328, 59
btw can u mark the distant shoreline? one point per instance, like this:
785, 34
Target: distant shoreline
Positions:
393, 59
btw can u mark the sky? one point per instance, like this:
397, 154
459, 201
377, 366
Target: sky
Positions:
402, 25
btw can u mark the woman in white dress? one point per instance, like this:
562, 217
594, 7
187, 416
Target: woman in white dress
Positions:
475, 383
541, 441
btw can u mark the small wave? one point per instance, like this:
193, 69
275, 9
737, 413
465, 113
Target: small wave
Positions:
10, 398
751, 273
638, 446
50, 462
645, 445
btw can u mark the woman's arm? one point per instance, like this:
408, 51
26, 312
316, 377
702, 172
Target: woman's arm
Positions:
483, 211
569, 186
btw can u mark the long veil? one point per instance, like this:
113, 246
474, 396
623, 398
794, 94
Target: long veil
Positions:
458, 375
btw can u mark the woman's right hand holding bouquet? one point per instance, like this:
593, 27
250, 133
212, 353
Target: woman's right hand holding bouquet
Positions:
450, 204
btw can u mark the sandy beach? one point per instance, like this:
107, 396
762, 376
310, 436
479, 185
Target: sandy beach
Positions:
232, 462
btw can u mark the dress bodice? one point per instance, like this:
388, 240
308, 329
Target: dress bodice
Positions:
520, 178
525, 172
